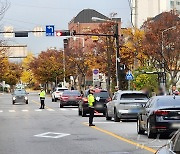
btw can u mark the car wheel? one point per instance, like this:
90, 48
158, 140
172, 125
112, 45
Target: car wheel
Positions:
83, 113
79, 112
26, 102
139, 128
52, 99
107, 117
61, 106
116, 118
150, 134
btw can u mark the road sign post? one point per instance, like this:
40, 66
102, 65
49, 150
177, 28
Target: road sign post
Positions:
95, 77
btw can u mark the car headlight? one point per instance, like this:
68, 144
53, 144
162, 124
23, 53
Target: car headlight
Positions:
14, 98
25, 98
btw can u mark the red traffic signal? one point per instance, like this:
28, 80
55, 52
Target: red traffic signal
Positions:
62, 33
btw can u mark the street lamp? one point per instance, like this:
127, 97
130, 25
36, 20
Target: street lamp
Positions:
163, 84
116, 36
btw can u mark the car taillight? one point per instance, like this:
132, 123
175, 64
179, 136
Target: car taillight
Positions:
161, 113
57, 92
109, 99
79, 97
85, 100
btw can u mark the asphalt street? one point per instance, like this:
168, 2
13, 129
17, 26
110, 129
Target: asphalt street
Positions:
26, 129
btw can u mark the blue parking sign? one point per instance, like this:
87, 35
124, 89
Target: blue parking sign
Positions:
129, 76
49, 30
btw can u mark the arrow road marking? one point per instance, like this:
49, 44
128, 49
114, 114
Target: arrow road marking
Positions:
25, 110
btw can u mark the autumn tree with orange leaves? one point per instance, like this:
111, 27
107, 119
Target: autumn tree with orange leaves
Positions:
162, 43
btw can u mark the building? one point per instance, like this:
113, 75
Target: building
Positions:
83, 24
144, 9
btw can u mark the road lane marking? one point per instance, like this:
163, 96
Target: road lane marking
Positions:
25, 110
52, 135
123, 139
74, 109
12, 111
1, 111
40, 104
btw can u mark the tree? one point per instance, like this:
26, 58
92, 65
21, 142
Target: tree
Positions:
27, 74
48, 66
163, 50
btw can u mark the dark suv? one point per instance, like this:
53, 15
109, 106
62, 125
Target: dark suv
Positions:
101, 98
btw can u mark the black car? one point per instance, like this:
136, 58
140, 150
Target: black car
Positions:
173, 147
161, 114
19, 96
101, 98
70, 98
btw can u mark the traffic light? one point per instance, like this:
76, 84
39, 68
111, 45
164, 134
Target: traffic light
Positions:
62, 33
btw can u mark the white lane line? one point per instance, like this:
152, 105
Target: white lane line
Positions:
63, 109
1, 111
74, 109
25, 110
12, 111
100, 122
38, 110
50, 110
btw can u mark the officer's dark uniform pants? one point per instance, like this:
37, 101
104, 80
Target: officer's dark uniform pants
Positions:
42, 103
91, 116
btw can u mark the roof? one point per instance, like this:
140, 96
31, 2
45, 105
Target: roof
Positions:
159, 16
85, 16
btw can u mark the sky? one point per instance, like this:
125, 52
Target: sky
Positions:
28, 14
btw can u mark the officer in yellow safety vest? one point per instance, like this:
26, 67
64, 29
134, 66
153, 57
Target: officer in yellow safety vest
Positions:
91, 101
42, 98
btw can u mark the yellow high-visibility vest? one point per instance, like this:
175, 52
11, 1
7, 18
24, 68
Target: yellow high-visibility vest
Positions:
90, 100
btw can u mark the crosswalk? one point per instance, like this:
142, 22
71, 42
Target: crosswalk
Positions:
40, 110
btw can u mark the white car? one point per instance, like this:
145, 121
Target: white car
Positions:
56, 94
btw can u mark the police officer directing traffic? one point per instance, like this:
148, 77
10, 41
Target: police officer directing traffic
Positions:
91, 101
42, 98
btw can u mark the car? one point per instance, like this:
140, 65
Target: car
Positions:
161, 114
125, 105
57, 93
70, 98
101, 98
173, 146
19, 96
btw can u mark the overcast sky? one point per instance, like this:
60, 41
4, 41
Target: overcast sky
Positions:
27, 14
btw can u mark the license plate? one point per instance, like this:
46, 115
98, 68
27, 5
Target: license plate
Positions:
176, 125
99, 106
71, 98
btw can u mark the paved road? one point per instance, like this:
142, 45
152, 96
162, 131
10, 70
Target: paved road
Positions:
26, 129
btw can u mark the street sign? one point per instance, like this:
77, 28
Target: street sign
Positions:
8, 29
38, 31
129, 76
49, 30
95, 74
21, 34
94, 38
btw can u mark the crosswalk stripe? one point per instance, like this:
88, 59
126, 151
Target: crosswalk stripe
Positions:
74, 109
1, 111
50, 110
12, 111
63, 109
38, 110
25, 110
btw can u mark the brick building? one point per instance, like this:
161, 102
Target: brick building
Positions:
82, 24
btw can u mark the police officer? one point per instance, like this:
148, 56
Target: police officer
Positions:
91, 101
42, 98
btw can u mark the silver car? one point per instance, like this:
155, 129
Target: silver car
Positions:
19, 96
125, 105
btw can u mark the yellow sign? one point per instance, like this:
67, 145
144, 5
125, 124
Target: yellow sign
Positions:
95, 38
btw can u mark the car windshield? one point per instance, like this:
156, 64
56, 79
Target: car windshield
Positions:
134, 96
168, 102
102, 94
19, 92
71, 92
